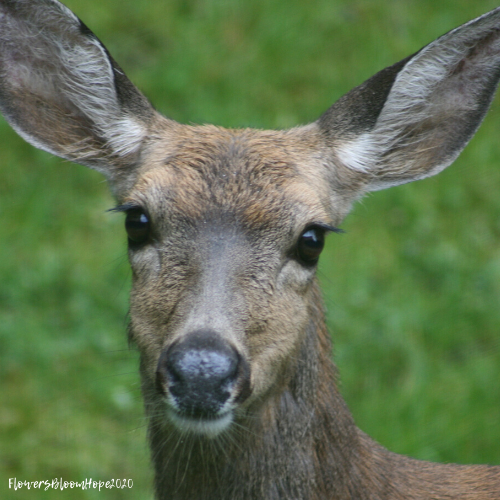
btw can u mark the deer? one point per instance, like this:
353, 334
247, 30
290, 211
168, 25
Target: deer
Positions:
225, 229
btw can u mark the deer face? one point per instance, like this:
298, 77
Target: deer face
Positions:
225, 229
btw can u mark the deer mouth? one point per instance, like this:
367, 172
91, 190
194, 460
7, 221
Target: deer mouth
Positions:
207, 425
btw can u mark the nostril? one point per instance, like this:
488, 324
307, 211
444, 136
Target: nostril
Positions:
173, 369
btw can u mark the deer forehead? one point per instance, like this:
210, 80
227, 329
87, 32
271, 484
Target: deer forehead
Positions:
249, 177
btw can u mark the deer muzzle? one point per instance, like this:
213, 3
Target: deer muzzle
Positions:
204, 379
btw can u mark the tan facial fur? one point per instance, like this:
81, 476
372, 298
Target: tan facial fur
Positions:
226, 209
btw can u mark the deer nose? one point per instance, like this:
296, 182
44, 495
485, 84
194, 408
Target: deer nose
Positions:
200, 372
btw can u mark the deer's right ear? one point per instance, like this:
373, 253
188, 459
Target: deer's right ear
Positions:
412, 119
62, 92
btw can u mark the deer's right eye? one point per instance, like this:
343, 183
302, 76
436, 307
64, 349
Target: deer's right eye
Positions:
137, 226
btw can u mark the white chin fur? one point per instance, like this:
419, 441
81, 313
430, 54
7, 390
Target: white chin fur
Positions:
209, 428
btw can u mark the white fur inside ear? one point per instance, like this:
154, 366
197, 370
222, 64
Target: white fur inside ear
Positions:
359, 154
66, 10
125, 136
443, 82
410, 102
45, 54
91, 87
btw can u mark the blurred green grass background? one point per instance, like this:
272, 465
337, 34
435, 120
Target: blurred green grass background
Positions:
412, 290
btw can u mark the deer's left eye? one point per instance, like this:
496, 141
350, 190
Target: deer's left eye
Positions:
310, 245
137, 226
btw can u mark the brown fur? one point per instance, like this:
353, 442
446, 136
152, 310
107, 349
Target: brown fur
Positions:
220, 275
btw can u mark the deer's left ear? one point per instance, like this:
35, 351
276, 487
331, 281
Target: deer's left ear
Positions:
412, 120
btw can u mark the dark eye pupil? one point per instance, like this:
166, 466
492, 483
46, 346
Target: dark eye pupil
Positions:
310, 245
137, 226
